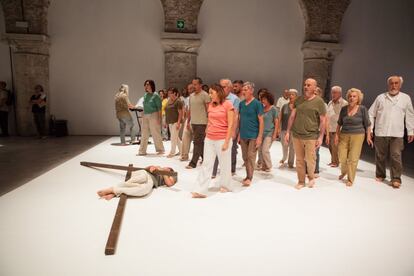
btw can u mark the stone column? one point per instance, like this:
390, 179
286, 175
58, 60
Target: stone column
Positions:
181, 50
30, 58
318, 58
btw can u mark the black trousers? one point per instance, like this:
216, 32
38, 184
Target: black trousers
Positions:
199, 134
4, 123
40, 122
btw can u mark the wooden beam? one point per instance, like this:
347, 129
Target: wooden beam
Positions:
116, 224
124, 168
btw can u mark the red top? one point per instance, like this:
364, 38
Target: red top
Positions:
217, 124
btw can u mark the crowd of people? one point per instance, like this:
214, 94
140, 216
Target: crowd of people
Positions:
218, 118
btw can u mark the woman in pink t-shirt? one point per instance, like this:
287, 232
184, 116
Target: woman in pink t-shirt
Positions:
218, 143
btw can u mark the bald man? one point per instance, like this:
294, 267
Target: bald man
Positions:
307, 124
387, 115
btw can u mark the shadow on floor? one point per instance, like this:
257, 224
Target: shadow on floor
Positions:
25, 158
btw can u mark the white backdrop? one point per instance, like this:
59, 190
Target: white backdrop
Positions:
378, 41
96, 46
258, 41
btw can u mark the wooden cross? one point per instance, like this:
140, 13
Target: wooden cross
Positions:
119, 214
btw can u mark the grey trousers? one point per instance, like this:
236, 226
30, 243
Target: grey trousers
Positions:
392, 146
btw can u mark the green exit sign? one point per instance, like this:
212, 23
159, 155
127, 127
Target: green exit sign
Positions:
180, 24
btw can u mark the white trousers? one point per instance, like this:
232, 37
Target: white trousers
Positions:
212, 148
175, 139
140, 184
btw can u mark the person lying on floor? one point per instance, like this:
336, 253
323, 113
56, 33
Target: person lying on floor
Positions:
140, 184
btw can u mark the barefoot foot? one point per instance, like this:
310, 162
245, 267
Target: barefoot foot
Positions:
224, 190
299, 186
197, 195
246, 182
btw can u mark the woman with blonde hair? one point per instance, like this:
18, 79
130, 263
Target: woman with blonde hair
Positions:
353, 123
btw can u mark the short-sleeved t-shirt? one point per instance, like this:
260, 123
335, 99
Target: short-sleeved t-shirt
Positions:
218, 125
234, 100
152, 103
197, 107
357, 123
285, 116
171, 111
37, 108
306, 124
269, 121
249, 123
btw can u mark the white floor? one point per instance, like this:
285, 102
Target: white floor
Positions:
55, 224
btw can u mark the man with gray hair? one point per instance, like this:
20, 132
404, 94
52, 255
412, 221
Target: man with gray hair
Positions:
387, 114
251, 129
334, 108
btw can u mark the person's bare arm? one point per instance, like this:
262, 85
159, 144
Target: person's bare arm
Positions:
259, 138
322, 124
290, 123
229, 134
180, 116
276, 131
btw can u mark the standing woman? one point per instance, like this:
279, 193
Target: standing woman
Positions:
353, 123
286, 109
218, 143
271, 125
38, 101
173, 117
164, 99
152, 119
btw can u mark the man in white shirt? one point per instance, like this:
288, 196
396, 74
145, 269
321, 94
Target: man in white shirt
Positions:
333, 110
282, 100
387, 115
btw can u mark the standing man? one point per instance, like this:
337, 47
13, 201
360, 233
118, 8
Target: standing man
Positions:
282, 100
237, 89
334, 108
187, 133
251, 129
307, 123
197, 120
4, 109
227, 86
387, 114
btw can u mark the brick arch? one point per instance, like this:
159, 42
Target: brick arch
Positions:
179, 9
33, 12
323, 19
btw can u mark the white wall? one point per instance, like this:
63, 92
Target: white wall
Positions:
378, 41
259, 41
5, 71
96, 46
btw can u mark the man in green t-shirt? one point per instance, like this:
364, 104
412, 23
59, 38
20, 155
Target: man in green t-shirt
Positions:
307, 123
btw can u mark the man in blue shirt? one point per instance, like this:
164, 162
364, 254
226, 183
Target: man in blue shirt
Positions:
251, 129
